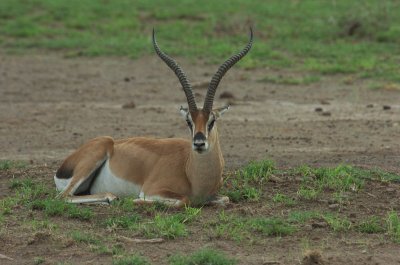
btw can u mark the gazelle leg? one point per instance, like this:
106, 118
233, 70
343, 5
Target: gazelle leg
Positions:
77, 172
219, 201
100, 198
143, 199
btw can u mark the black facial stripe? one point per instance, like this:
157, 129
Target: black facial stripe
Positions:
211, 125
189, 123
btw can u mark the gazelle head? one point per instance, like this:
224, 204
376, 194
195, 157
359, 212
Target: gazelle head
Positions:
201, 122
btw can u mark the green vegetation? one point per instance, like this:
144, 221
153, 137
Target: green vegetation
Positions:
283, 199
246, 184
237, 227
241, 224
125, 222
86, 238
164, 225
302, 217
9, 164
284, 80
337, 223
131, 260
371, 225
38, 260
57, 207
393, 226
202, 257
310, 36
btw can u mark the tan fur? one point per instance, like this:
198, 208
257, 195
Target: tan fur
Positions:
167, 168
200, 118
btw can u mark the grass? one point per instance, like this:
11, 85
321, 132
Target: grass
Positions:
202, 257
371, 225
161, 224
131, 260
287, 80
10, 164
301, 217
334, 37
393, 226
337, 223
246, 183
85, 238
170, 226
38, 260
283, 199
124, 222
57, 207
234, 223
239, 228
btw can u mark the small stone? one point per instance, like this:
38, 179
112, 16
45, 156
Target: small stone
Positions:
319, 109
386, 107
370, 106
333, 206
127, 79
129, 105
275, 179
319, 225
324, 102
227, 95
326, 113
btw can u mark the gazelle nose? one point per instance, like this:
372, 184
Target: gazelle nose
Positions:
199, 140
199, 144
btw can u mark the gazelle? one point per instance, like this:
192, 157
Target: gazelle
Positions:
173, 171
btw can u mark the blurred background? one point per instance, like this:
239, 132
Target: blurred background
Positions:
323, 37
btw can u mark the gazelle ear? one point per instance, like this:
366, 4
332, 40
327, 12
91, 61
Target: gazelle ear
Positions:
220, 111
184, 112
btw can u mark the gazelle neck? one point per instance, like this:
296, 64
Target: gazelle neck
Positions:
204, 170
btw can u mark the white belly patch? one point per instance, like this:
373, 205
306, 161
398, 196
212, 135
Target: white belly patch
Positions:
107, 181
61, 184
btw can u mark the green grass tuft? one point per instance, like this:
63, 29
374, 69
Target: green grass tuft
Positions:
337, 223
371, 225
302, 217
38, 260
9, 164
57, 207
125, 222
271, 226
257, 171
246, 183
283, 199
202, 257
393, 226
85, 238
131, 260
170, 226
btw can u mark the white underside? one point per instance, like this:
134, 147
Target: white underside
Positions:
61, 184
107, 181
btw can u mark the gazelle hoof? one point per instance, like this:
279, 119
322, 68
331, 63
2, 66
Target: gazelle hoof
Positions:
110, 197
220, 201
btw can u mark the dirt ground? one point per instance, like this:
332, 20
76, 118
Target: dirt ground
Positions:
49, 105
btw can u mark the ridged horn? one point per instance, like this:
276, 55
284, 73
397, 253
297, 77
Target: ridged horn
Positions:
208, 102
187, 88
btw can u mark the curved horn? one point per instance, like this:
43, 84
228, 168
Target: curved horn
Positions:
187, 88
208, 102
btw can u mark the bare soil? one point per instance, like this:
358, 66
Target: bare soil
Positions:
49, 105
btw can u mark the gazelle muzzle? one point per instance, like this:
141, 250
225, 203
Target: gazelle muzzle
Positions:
200, 143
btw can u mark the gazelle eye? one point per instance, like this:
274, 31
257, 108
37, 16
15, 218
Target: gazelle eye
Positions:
211, 125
